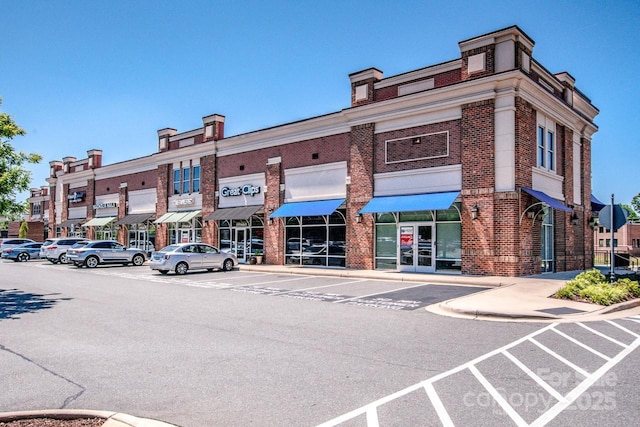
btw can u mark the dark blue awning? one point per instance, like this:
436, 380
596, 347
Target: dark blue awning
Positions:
314, 208
545, 198
415, 202
596, 205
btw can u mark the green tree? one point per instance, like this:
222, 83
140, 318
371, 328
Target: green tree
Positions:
24, 230
635, 202
632, 212
14, 177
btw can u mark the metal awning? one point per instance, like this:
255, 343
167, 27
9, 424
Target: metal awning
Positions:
545, 198
414, 202
242, 212
99, 222
177, 217
596, 205
314, 208
134, 219
70, 222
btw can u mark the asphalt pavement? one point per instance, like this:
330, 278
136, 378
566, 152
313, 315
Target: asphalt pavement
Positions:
507, 299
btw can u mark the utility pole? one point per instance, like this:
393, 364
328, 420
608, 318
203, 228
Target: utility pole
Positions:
613, 252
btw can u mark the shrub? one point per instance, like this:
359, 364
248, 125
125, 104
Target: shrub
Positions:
593, 286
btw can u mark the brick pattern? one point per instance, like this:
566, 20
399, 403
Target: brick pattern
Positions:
489, 50
208, 186
360, 235
454, 157
162, 207
135, 181
439, 80
274, 231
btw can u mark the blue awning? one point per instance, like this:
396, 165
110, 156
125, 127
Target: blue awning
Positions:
596, 205
415, 202
314, 208
545, 198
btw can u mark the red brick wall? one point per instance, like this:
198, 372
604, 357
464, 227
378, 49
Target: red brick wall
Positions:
454, 157
439, 80
360, 235
478, 182
274, 231
208, 188
333, 148
135, 181
489, 62
162, 187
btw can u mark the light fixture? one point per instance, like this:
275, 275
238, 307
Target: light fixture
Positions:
574, 219
531, 214
359, 218
474, 211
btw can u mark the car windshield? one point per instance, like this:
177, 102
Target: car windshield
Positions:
47, 242
169, 248
79, 244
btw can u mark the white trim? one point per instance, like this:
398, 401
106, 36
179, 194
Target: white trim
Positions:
418, 181
421, 74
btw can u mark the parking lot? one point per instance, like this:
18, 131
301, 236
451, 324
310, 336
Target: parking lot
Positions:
384, 294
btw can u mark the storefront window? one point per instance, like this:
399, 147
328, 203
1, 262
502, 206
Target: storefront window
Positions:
547, 240
316, 240
386, 246
448, 246
183, 232
416, 216
245, 238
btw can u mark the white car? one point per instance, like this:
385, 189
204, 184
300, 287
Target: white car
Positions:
183, 257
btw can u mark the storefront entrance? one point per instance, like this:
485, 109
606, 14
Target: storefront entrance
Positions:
240, 243
415, 252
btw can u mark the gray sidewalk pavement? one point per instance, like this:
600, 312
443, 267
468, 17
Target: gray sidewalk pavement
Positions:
509, 299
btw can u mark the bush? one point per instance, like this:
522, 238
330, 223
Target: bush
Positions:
592, 286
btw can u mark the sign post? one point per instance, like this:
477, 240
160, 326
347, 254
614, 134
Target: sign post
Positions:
613, 246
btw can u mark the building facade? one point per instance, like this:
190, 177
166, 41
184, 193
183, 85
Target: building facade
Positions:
480, 165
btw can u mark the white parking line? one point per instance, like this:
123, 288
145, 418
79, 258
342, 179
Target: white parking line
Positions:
563, 402
381, 293
321, 287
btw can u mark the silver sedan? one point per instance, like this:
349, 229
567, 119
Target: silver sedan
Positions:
183, 257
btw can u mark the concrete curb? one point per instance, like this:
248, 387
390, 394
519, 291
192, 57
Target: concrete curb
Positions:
112, 419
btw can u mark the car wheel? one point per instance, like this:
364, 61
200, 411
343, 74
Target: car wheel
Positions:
182, 268
137, 260
163, 271
23, 257
227, 265
91, 262
62, 259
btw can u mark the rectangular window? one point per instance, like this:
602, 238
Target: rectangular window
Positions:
176, 181
36, 209
608, 243
541, 149
601, 243
186, 178
546, 149
196, 179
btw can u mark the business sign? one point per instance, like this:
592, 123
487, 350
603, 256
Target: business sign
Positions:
244, 190
105, 205
76, 197
184, 202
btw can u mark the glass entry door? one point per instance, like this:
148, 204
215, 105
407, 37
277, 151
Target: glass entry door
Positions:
415, 249
240, 243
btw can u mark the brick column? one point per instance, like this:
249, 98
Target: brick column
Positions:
162, 203
360, 229
65, 209
273, 199
208, 186
123, 198
90, 200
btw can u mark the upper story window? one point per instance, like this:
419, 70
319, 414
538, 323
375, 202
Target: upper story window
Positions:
546, 144
196, 179
36, 209
186, 180
176, 181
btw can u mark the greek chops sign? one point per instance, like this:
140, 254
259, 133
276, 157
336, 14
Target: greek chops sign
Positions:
245, 190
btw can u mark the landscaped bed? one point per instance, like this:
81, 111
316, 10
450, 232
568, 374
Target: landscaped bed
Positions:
594, 287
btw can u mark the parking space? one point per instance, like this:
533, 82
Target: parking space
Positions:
337, 290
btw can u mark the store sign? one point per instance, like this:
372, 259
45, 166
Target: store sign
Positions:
184, 202
75, 197
105, 205
245, 190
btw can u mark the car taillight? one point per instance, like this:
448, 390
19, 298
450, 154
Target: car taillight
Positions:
51, 247
10, 251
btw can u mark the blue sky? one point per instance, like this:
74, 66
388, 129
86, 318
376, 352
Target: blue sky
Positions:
84, 74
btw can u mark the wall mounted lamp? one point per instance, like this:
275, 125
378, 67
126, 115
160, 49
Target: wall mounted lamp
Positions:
474, 211
574, 219
359, 218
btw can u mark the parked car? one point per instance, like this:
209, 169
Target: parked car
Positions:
146, 246
96, 252
56, 252
183, 257
11, 242
23, 252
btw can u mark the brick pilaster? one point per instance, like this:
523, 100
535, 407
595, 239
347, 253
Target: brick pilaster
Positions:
273, 230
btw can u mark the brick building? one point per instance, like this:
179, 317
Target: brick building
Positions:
479, 165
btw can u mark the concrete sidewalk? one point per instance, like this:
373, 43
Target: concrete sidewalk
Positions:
509, 299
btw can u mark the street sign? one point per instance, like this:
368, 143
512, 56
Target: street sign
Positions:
619, 217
